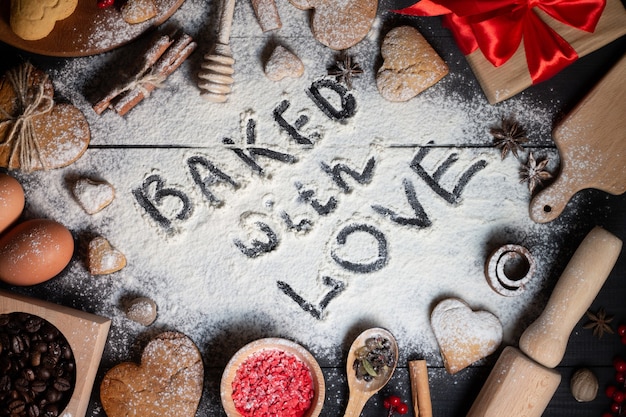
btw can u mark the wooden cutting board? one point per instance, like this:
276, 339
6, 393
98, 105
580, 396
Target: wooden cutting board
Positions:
592, 144
88, 31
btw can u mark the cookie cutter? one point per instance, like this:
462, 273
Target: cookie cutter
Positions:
509, 268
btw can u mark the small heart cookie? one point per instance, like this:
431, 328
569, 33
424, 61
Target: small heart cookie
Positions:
34, 19
464, 336
340, 24
283, 63
35, 132
410, 65
167, 383
93, 196
102, 258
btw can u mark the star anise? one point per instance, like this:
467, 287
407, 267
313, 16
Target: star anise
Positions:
600, 323
345, 69
534, 172
509, 137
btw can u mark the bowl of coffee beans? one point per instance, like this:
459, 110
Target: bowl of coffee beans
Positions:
49, 356
37, 367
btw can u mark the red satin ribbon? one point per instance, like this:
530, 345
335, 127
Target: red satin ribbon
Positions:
497, 27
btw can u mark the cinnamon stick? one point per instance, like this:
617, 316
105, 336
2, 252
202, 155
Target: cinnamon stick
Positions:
175, 55
420, 388
152, 55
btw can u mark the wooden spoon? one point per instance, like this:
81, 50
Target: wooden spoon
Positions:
361, 390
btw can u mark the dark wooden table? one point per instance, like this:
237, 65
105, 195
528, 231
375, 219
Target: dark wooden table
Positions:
453, 395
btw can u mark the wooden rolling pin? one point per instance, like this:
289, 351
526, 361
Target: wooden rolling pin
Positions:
523, 382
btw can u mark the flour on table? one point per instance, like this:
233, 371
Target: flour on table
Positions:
298, 208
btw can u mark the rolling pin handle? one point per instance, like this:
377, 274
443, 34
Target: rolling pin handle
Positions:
545, 340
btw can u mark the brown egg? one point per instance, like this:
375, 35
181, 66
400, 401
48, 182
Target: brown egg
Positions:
11, 200
34, 251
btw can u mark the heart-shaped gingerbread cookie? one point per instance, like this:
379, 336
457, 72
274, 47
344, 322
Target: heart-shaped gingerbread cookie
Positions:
167, 383
102, 258
464, 336
340, 24
35, 132
410, 65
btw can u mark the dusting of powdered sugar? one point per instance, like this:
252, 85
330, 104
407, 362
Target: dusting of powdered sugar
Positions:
298, 208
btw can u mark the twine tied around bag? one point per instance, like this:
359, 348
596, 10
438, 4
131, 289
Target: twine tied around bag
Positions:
22, 138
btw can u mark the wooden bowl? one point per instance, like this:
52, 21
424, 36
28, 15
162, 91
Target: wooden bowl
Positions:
283, 345
86, 333
88, 31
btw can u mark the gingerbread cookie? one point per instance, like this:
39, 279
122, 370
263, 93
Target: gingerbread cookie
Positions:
35, 19
168, 382
102, 258
410, 65
340, 24
283, 63
93, 196
464, 336
138, 11
36, 133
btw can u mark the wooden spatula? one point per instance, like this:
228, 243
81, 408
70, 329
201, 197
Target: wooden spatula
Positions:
523, 382
592, 144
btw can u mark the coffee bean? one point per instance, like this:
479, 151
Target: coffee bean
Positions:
39, 386
53, 395
62, 384
32, 324
17, 406
33, 411
22, 385
37, 367
17, 344
28, 374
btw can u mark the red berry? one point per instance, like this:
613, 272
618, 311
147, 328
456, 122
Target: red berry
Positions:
402, 408
610, 391
620, 377
616, 408
607, 414
621, 330
618, 397
103, 4
386, 403
394, 401
619, 364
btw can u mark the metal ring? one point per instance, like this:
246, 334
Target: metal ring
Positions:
502, 274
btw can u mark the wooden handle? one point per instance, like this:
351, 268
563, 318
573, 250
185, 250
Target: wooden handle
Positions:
546, 339
516, 387
357, 402
550, 202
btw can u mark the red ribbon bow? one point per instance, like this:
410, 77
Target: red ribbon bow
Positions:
497, 27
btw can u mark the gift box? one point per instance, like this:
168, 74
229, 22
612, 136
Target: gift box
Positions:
485, 29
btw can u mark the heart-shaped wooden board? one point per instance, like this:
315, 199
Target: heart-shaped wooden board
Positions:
168, 382
592, 144
88, 31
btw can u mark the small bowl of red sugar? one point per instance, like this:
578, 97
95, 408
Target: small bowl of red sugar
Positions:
273, 377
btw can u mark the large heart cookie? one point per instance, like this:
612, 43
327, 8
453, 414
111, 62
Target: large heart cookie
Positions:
167, 383
410, 65
464, 336
35, 132
35, 19
340, 24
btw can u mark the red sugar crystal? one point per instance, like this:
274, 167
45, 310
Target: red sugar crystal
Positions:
272, 383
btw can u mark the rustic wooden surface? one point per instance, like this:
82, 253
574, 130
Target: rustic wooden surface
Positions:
452, 396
